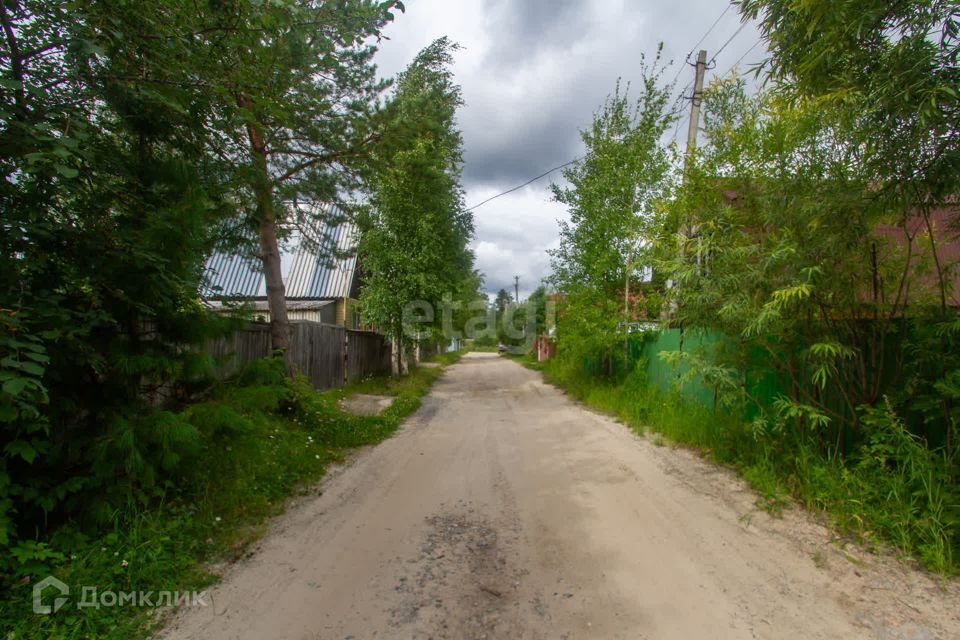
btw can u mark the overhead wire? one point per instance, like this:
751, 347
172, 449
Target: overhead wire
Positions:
679, 98
740, 59
715, 23
674, 111
578, 159
725, 44
676, 130
528, 182
700, 41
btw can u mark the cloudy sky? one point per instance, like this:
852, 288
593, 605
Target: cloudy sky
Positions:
533, 72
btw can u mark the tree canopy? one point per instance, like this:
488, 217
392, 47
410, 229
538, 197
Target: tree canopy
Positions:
416, 229
135, 138
612, 199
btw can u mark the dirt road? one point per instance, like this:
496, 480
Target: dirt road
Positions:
505, 510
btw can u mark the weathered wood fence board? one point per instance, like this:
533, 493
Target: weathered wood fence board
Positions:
367, 354
328, 355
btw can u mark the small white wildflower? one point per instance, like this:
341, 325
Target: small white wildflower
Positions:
217, 518
124, 563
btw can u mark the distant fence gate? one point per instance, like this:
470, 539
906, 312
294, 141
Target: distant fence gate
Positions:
329, 356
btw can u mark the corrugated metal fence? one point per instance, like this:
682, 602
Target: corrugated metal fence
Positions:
758, 378
757, 375
328, 355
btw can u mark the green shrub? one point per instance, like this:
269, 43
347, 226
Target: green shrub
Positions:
244, 449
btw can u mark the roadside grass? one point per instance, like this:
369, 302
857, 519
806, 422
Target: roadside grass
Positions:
893, 492
445, 359
265, 439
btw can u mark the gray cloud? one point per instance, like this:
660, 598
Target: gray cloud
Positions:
533, 72
526, 28
537, 146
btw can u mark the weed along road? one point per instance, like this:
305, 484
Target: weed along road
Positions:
505, 510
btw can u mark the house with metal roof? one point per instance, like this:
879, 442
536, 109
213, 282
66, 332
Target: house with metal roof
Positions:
320, 276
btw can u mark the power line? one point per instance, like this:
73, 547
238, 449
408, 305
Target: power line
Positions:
673, 110
567, 164
729, 40
700, 41
676, 130
528, 182
676, 101
715, 23
680, 97
745, 54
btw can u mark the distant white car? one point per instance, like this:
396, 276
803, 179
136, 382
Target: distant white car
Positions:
501, 348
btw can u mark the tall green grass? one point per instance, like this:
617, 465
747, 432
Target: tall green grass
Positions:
893, 491
264, 438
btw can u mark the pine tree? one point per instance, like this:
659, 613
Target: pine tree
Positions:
298, 98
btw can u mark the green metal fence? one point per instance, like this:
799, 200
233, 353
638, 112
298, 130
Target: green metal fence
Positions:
762, 383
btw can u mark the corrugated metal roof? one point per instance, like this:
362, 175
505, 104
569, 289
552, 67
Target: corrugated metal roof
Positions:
232, 276
324, 264
263, 305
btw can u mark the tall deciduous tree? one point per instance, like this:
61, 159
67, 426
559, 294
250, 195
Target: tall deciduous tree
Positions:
611, 197
502, 301
416, 230
894, 70
794, 259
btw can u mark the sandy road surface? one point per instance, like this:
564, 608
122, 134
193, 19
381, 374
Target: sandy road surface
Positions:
504, 510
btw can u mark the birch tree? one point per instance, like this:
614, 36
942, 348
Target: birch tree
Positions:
611, 198
416, 230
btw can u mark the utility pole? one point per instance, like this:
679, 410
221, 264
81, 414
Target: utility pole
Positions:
697, 99
693, 130
516, 289
701, 68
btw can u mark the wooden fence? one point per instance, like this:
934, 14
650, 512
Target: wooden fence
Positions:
328, 355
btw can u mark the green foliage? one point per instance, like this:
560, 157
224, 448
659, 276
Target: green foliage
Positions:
804, 232
892, 66
611, 198
502, 300
135, 138
260, 438
541, 307
518, 324
296, 109
787, 256
416, 229
911, 486
107, 209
